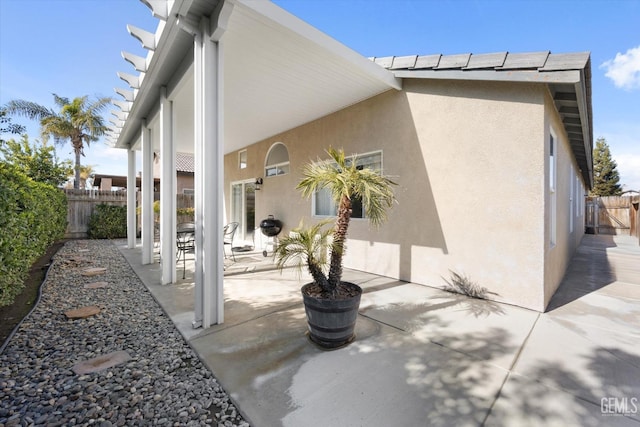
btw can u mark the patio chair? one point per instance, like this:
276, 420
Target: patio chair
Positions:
185, 242
229, 232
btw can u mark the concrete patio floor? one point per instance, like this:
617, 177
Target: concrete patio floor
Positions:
424, 356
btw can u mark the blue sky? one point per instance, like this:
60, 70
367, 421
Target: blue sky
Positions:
72, 48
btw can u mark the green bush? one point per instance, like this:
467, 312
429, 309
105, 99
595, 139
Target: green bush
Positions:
33, 215
108, 222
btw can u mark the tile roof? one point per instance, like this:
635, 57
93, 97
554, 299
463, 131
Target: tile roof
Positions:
541, 61
184, 162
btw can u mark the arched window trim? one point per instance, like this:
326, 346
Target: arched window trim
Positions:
276, 169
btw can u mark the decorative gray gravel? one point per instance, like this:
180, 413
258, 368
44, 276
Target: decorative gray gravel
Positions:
164, 382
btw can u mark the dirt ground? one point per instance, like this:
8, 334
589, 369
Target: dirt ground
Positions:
12, 314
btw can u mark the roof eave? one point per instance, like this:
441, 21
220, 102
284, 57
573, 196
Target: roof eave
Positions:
523, 76
148, 93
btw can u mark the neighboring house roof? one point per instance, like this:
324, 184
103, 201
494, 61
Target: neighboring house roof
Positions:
567, 74
117, 180
184, 162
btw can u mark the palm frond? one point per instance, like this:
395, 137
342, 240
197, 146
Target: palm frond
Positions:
59, 100
31, 110
306, 246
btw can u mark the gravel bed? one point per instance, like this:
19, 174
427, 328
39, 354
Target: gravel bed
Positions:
164, 382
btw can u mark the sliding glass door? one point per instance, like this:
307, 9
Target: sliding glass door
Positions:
243, 211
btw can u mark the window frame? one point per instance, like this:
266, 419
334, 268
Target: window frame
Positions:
553, 176
242, 164
334, 207
285, 167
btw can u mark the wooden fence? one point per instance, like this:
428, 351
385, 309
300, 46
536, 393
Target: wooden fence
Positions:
613, 215
81, 204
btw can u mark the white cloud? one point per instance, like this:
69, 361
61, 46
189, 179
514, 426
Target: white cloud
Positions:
629, 168
624, 69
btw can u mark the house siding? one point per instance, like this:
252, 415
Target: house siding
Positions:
469, 159
558, 256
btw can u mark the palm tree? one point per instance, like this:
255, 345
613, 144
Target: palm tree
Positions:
346, 182
86, 172
306, 246
79, 121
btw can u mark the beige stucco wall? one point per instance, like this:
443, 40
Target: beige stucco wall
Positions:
567, 239
469, 159
484, 160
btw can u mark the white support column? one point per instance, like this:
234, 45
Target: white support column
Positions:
147, 195
209, 297
168, 189
131, 199
198, 119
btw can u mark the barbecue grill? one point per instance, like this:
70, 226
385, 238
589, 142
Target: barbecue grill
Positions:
270, 227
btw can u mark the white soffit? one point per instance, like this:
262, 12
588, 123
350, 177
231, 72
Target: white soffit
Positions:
280, 72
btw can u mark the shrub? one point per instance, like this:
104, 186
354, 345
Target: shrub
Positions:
461, 284
108, 222
33, 215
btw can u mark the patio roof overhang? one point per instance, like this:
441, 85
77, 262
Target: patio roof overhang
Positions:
279, 73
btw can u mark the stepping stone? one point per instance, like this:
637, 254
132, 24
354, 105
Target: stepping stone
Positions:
94, 271
81, 313
96, 285
101, 362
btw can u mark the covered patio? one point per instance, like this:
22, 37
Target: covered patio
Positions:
428, 357
220, 76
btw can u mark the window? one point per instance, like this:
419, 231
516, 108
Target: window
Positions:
277, 162
572, 181
581, 198
577, 193
552, 189
323, 204
242, 159
188, 191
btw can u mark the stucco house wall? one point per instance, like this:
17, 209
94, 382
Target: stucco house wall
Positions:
470, 159
570, 192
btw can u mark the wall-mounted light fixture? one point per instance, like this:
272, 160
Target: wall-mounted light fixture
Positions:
258, 183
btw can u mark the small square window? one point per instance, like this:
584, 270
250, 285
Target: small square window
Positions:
242, 159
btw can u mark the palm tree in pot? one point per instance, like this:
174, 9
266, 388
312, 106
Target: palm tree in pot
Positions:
331, 304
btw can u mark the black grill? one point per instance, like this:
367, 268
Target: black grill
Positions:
270, 226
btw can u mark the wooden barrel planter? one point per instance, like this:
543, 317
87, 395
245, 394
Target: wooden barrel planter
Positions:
332, 321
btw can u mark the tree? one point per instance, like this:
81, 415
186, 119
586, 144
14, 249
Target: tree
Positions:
86, 172
346, 183
37, 161
605, 175
78, 121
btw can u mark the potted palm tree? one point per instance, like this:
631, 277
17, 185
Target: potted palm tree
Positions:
332, 305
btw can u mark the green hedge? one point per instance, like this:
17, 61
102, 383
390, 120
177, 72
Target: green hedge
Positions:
33, 215
108, 222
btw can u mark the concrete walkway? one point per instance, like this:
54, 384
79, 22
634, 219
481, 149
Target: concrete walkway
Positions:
426, 357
